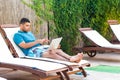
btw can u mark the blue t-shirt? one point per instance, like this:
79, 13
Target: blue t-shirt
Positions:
27, 37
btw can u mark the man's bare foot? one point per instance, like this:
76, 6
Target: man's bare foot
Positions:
77, 58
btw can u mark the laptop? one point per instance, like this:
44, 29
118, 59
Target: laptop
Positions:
53, 45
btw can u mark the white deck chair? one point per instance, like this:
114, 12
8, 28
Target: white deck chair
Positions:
98, 42
116, 30
82, 63
10, 30
39, 67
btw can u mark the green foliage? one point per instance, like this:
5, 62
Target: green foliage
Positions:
67, 21
114, 10
42, 8
66, 16
95, 14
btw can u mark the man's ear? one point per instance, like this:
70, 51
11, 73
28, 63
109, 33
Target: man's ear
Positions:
21, 25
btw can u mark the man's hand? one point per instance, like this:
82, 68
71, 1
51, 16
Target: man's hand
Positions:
42, 41
59, 46
45, 40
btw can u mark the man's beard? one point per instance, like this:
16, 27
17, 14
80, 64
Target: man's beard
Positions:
25, 31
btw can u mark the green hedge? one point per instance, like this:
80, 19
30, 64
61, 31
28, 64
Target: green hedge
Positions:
67, 21
69, 15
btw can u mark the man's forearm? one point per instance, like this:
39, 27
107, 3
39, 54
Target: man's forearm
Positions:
28, 45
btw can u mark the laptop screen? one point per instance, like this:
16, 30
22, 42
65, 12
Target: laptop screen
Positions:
55, 43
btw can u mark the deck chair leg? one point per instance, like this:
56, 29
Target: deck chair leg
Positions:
66, 75
83, 71
61, 76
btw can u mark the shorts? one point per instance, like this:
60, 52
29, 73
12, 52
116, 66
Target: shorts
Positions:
36, 52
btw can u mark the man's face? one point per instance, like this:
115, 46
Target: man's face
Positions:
25, 27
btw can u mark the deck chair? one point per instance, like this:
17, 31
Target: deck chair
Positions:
98, 43
40, 68
116, 30
21, 55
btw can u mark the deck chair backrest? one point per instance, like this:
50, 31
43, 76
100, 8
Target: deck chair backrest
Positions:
5, 52
9, 33
94, 36
116, 30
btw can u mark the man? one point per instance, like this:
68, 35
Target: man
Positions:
27, 42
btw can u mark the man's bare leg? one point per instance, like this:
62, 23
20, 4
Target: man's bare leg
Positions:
53, 55
63, 54
77, 58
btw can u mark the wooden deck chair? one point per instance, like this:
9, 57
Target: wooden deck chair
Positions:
113, 25
21, 55
98, 43
8, 30
116, 30
40, 67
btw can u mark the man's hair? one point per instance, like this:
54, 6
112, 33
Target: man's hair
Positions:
24, 20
